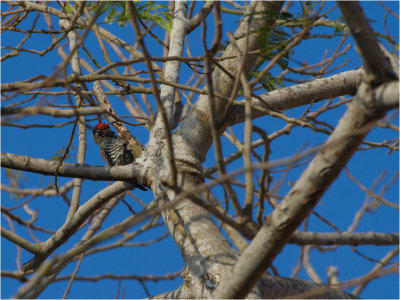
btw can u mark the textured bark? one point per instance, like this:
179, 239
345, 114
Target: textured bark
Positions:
345, 83
54, 112
171, 72
358, 120
195, 129
207, 254
345, 238
377, 66
300, 201
48, 167
212, 267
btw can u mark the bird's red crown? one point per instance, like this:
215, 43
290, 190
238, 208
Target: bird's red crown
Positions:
101, 126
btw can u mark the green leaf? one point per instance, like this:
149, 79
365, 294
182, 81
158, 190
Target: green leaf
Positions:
271, 40
118, 11
68, 9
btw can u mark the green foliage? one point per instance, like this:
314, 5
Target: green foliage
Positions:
118, 11
156, 13
269, 82
150, 11
271, 42
387, 38
92, 6
340, 27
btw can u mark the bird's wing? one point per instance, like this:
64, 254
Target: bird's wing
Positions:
105, 156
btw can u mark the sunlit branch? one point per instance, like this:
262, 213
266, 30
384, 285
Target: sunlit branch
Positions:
48, 167
51, 111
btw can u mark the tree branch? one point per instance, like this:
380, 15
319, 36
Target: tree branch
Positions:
51, 111
345, 238
168, 93
72, 224
134, 145
376, 65
200, 16
345, 83
48, 167
304, 195
194, 132
17, 240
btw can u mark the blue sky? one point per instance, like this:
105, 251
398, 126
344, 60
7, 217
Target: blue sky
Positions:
338, 205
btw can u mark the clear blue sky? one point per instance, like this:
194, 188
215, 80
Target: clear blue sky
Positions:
338, 205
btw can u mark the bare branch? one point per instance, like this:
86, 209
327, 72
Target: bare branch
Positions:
200, 16
172, 68
385, 260
48, 167
71, 225
51, 111
345, 238
376, 65
16, 239
303, 196
101, 97
345, 83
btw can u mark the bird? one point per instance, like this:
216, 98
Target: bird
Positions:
113, 149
